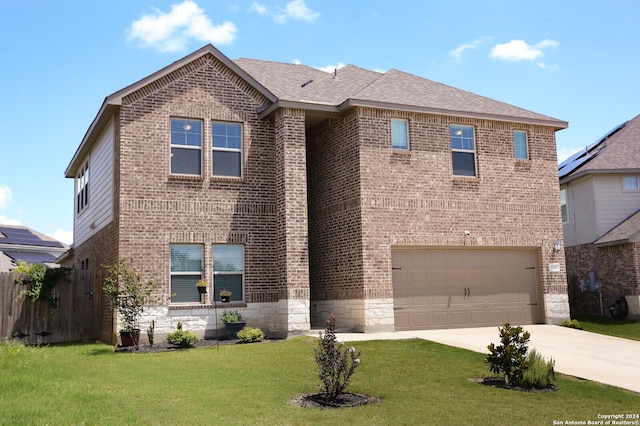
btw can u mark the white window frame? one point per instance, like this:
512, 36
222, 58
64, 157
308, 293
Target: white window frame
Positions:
197, 275
215, 149
404, 144
453, 131
184, 146
626, 179
217, 273
564, 209
526, 144
82, 188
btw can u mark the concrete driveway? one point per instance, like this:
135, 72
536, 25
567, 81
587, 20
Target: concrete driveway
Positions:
578, 353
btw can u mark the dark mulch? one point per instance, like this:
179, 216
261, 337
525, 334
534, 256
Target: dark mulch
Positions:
318, 400
499, 382
202, 343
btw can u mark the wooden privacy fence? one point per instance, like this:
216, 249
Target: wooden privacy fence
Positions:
75, 318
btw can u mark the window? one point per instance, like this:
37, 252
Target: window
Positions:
82, 188
463, 151
563, 205
227, 149
186, 270
186, 143
520, 145
630, 184
228, 270
399, 134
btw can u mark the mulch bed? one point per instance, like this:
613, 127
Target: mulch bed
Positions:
346, 400
499, 382
202, 343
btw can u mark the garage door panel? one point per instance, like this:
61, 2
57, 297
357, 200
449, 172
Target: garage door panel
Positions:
457, 288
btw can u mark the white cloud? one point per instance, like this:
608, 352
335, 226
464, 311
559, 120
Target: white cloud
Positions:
331, 68
64, 236
258, 8
296, 10
6, 221
564, 152
519, 50
169, 32
458, 51
5, 196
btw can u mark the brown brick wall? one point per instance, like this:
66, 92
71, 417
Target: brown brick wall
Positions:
412, 199
616, 268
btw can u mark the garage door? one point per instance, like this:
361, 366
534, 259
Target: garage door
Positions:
436, 288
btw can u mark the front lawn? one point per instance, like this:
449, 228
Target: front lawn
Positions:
627, 329
421, 382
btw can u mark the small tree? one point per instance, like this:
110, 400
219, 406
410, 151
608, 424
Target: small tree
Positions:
509, 358
128, 292
336, 364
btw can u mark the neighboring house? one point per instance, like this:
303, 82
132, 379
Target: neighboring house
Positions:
600, 197
19, 243
390, 200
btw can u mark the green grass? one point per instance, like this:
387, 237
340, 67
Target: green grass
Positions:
421, 382
612, 327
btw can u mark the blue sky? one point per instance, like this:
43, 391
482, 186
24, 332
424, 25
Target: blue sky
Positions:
576, 60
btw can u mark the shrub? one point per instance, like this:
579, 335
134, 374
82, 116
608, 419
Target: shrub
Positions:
509, 358
182, 338
231, 316
539, 373
571, 324
250, 335
336, 364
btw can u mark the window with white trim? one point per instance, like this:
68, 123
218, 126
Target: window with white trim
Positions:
228, 270
463, 150
520, 145
399, 134
630, 184
563, 205
186, 146
186, 270
82, 188
227, 149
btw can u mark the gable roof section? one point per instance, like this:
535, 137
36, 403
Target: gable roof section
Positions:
618, 151
113, 102
626, 232
14, 236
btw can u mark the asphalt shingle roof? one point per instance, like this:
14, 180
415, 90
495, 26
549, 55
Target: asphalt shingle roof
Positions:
624, 232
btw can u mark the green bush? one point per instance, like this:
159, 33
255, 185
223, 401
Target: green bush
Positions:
250, 335
539, 373
182, 338
231, 316
509, 358
571, 324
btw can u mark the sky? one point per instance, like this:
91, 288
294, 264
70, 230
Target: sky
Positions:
575, 60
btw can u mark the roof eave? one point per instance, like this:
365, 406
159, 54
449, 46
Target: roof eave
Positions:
586, 172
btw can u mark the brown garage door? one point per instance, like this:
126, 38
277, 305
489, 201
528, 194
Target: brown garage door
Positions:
437, 288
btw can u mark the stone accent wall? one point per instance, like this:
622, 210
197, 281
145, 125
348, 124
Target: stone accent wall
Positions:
617, 273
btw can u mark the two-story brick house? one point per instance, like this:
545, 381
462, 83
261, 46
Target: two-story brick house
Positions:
391, 200
600, 201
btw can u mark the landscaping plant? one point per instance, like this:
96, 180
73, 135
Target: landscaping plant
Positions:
250, 335
336, 364
182, 338
509, 358
539, 373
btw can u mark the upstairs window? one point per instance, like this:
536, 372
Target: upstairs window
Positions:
463, 150
520, 145
563, 205
186, 270
186, 146
82, 188
399, 134
630, 184
227, 149
228, 270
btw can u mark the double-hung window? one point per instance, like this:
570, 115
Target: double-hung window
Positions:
228, 270
563, 205
520, 145
463, 150
82, 188
227, 149
630, 184
186, 146
186, 270
399, 134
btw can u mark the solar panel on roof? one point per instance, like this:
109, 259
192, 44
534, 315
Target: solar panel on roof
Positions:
25, 237
40, 258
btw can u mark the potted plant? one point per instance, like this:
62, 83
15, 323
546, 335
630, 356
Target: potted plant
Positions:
225, 295
202, 286
233, 323
129, 294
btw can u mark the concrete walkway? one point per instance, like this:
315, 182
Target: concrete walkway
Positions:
604, 359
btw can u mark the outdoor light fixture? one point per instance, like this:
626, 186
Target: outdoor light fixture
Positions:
557, 246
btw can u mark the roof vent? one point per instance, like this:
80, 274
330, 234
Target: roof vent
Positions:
306, 83
335, 73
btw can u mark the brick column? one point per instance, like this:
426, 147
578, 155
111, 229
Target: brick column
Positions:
292, 255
